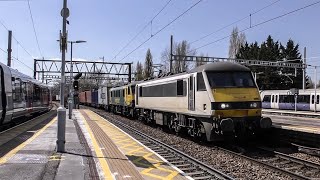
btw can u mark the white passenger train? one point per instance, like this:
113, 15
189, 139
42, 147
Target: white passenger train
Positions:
307, 100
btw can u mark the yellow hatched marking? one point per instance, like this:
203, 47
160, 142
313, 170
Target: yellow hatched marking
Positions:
134, 149
14, 151
103, 162
139, 149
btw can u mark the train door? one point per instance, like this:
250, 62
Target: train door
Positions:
313, 101
191, 98
275, 101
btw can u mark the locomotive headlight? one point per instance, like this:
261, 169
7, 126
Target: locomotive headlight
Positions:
254, 105
224, 105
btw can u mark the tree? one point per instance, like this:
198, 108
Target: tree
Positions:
148, 65
139, 72
236, 41
270, 50
180, 65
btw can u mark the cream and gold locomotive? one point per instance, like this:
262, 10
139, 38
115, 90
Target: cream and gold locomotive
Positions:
207, 102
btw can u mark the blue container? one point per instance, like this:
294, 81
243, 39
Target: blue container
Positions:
94, 97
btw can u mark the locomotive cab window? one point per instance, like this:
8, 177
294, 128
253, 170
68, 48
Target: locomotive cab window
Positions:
230, 79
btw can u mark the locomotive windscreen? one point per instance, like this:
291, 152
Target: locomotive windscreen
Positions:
230, 79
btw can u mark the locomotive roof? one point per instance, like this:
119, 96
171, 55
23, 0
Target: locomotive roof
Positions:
220, 66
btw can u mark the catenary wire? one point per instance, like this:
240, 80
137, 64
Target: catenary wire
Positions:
16, 39
149, 22
261, 23
34, 29
22, 62
164, 27
235, 22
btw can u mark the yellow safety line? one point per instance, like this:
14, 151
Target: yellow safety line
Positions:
6, 157
124, 143
99, 153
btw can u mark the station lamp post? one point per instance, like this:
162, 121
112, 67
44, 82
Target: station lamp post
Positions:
315, 86
71, 98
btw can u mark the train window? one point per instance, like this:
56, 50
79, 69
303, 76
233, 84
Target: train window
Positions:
128, 90
122, 95
200, 82
140, 91
191, 83
304, 99
317, 99
312, 99
36, 93
179, 87
103, 95
16, 89
266, 98
133, 89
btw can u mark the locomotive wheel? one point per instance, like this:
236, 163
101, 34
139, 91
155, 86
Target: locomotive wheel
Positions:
199, 132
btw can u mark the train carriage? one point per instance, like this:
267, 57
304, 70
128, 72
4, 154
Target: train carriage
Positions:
82, 97
88, 97
103, 97
94, 98
20, 95
306, 100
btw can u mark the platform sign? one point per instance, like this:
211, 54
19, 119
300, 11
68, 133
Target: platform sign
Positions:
70, 100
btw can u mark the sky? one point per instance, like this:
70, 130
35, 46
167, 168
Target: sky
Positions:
108, 25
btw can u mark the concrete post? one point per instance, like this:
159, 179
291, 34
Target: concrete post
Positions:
9, 48
171, 53
61, 129
61, 110
304, 68
70, 100
315, 88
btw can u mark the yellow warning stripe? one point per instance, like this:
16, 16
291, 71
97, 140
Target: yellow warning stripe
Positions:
130, 147
6, 157
99, 153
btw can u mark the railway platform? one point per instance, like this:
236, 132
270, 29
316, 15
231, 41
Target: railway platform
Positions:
287, 120
94, 149
295, 127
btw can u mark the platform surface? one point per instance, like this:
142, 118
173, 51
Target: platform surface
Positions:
94, 149
125, 156
302, 124
36, 157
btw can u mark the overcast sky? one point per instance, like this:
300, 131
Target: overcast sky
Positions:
107, 25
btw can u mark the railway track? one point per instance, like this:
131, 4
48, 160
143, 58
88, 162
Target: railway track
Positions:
308, 150
25, 120
278, 162
189, 165
295, 167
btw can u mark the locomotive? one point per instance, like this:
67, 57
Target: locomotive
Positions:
21, 95
208, 102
